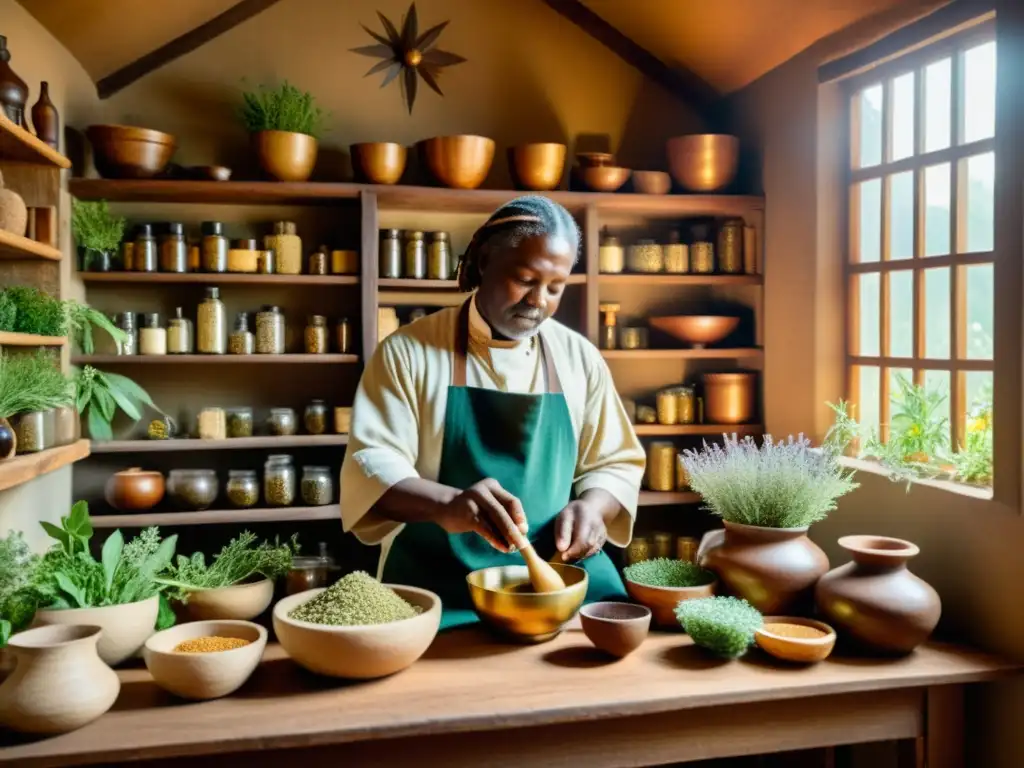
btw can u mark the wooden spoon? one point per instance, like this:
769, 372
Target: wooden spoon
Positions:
543, 577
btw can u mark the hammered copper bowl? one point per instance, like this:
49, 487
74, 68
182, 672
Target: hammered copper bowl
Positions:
696, 330
603, 178
652, 182
459, 162
128, 152
704, 162
504, 600
379, 162
537, 167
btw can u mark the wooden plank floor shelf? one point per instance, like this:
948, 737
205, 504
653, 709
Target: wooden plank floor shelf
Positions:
21, 469
215, 516
301, 358
14, 246
231, 444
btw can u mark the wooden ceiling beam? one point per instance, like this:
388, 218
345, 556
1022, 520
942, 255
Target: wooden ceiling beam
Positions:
681, 82
181, 45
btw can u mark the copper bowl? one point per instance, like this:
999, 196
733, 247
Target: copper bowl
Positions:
128, 152
704, 162
537, 167
696, 330
134, 490
603, 178
652, 182
594, 159
379, 162
286, 155
459, 162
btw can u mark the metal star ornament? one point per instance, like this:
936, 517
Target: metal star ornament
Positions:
409, 54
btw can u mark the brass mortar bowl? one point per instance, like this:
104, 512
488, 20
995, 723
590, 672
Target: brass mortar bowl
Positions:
505, 601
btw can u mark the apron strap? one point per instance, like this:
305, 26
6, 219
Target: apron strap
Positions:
461, 352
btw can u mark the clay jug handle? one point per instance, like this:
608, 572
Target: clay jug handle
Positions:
709, 540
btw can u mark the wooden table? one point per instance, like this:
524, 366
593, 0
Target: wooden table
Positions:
474, 701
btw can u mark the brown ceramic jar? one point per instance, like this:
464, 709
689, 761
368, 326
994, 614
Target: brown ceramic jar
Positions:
874, 600
134, 490
773, 569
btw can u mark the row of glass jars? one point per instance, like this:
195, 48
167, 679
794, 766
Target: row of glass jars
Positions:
197, 489
216, 423
733, 252
413, 254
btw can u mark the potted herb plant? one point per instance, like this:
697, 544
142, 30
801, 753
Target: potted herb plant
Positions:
285, 123
31, 388
99, 395
97, 232
24, 309
767, 497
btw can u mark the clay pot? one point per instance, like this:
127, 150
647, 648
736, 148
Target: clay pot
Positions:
13, 90
134, 490
616, 628
663, 600
874, 600
59, 682
130, 152
773, 569
13, 213
286, 155
125, 627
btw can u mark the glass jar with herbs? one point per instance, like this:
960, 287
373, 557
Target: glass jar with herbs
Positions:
214, 247
315, 417
195, 256
318, 260
193, 489
390, 253
279, 481
174, 249
243, 256
316, 488
125, 321
270, 330
212, 424
316, 335
179, 334
211, 325
243, 488
144, 253
282, 422
287, 244
241, 341
152, 337
415, 263
439, 256
239, 422
343, 336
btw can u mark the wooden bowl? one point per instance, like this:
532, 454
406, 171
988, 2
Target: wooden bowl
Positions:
362, 652
210, 675
615, 628
134, 490
537, 167
696, 330
705, 162
378, 162
239, 602
286, 155
816, 646
652, 182
128, 152
603, 178
522, 614
663, 600
459, 162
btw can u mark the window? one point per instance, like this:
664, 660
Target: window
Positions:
921, 230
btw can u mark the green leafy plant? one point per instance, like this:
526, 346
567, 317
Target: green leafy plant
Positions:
8, 312
238, 561
723, 625
784, 484
31, 383
99, 394
94, 227
29, 310
83, 319
662, 572
17, 568
284, 108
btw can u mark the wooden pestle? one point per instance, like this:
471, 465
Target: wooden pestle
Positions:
543, 577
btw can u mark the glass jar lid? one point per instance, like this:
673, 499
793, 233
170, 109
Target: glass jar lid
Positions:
390, 234
243, 474
317, 320
279, 458
240, 410
282, 411
241, 322
151, 320
413, 234
270, 308
317, 470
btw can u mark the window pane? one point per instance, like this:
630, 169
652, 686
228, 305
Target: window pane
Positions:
977, 203
938, 91
936, 210
980, 325
869, 232
902, 117
937, 383
869, 310
895, 388
901, 216
979, 92
936, 313
901, 313
868, 411
978, 390
870, 130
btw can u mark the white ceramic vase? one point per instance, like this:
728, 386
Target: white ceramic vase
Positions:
125, 627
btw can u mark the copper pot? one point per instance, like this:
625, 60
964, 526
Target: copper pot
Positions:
704, 162
460, 162
729, 397
134, 490
379, 162
286, 155
652, 182
537, 167
874, 600
128, 152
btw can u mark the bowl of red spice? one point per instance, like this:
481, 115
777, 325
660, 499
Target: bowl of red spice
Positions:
205, 659
794, 638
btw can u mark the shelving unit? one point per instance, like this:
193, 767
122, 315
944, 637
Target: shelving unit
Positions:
14, 246
170, 360
219, 516
231, 444
19, 146
224, 278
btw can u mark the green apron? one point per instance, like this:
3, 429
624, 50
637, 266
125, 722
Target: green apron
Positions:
527, 444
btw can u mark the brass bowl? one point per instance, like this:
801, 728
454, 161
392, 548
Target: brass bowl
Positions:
459, 162
537, 167
379, 162
696, 330
603, 178
286, 155
525, 615
128, 152
652, 182
704, 162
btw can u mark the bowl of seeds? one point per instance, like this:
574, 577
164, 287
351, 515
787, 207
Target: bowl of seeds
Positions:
357, 628
205, 659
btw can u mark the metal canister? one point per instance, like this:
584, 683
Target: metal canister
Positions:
390, 253
415, 251
266, 261
632, 337
686, 549
637, 551
661, 466
662, 544
667, 404
686, 405
145, 253
702, 258
730, 246
344, 262
677, 255
173, 249
343, 335
318, 261
439, 256
128, 255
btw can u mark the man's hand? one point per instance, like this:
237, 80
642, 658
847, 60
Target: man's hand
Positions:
580, 530
488, 509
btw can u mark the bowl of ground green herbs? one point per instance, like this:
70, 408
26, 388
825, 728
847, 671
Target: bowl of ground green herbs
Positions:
357, 628
661, 584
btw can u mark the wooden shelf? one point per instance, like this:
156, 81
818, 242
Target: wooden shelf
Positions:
716, 430
412, 284
21, 469
681, 354
680, 280
219, 516
11, 339
207, 278
13, 246
231, 444
329, 359
662, 499
18, 145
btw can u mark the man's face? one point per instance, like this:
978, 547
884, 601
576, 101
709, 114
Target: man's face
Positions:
522, 287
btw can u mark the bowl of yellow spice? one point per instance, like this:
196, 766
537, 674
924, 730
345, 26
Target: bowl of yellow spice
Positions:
205, 659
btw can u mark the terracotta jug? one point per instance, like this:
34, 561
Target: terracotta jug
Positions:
773, 569
874, 600
58, 683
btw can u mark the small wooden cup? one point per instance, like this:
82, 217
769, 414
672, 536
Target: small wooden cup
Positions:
616, 628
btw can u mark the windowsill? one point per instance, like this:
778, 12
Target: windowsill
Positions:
961, 489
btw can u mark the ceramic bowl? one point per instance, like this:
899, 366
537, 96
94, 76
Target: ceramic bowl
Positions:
459, 162
792, 644
616, 628
286, 155
204, 675
134, 490
362, 652
514, 610
125, 627
652, 182
378, 162
129, 152
603, 178
705, 162
696, 330
240, 602
537, 167
663, 600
